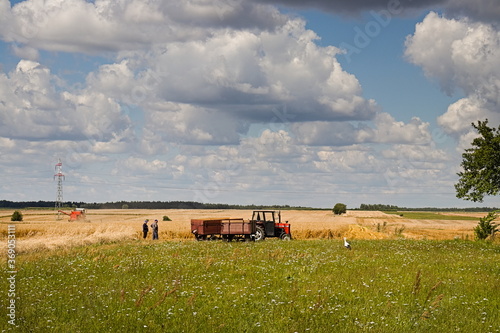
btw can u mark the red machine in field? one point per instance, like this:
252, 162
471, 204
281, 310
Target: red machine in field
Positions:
264, 223
268, 224
76, 215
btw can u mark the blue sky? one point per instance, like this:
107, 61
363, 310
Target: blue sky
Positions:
383, 61
245, 102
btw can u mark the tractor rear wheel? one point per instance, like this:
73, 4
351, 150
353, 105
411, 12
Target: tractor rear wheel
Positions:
259, 233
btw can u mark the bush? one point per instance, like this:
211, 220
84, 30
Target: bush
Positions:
486, 227
339, 209
166, 218
17, 216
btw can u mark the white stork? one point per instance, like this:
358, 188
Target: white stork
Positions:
346, 244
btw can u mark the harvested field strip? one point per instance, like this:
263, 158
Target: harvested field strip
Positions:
432, 216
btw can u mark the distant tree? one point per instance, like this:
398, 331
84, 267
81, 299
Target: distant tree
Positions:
339, 208
481, 165
378, 207
124, 206
486, 227
16, 216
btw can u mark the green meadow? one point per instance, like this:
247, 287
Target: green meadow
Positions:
269, 286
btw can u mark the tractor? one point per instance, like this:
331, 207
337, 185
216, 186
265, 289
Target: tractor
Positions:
268, 224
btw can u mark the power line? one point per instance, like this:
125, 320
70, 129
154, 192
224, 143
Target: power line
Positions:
59, 196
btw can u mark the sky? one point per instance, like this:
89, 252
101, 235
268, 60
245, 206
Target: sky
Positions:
245, 101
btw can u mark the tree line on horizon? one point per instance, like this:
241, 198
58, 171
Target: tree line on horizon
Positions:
384, 207
140, 205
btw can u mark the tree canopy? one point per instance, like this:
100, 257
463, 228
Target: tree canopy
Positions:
339, 208
481, 165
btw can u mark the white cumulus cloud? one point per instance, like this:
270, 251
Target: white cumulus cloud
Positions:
108, 25
383, 129
33, 106
461, 55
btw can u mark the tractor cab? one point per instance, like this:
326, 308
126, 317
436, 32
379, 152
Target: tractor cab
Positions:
268, 224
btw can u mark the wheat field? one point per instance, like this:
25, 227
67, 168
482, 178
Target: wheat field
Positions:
41, 230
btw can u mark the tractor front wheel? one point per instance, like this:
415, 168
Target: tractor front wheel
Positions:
286, 237
259, 233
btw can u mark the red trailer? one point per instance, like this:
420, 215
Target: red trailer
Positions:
226, 229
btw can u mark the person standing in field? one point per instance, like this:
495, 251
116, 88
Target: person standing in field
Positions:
145, 229
154, 227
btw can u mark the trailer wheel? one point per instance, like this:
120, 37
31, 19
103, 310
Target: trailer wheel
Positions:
200, 237
259, 233
286, 237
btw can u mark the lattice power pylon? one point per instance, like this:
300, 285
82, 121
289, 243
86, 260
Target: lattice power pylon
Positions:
60, 177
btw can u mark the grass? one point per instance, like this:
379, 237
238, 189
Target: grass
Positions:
431, 216
270, 286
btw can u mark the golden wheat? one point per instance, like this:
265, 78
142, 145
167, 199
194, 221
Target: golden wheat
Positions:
40, 229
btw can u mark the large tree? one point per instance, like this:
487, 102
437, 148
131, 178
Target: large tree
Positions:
339, 208
481, 165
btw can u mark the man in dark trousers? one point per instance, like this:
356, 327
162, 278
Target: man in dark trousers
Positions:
145, 228
154, 227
